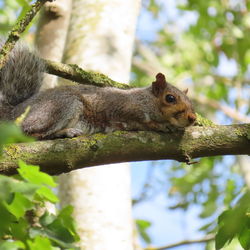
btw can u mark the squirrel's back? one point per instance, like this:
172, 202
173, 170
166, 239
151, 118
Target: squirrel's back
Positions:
21, 76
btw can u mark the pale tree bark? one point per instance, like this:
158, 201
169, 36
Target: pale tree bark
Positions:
50, 41
244, 166
100, 38
51, 34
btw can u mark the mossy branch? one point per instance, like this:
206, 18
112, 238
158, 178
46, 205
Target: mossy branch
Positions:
74, 73
65, 155
18, 29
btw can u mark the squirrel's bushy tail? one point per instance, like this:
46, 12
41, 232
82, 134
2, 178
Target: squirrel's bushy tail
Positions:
21, 76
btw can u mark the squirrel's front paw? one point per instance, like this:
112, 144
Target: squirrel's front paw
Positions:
69, 132
73, 132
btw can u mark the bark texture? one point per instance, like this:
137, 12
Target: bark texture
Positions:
65, 155
51, 34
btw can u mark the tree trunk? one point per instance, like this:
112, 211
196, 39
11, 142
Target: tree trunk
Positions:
101, 38
51, 34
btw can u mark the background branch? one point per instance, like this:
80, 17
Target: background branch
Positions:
227, 110
74, 73
184, 242
65, 155
18, 29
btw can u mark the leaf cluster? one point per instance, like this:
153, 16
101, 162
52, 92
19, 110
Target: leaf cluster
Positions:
235, 223
143, 226
25, 223
8, 13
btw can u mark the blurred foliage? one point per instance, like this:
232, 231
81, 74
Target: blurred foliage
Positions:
204, 46
10, 11
142, 226
235, 222
10, 133
25, 223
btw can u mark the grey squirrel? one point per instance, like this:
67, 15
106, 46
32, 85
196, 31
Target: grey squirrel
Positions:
69, 111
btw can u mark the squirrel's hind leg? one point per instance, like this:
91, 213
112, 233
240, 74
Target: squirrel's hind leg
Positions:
48, 119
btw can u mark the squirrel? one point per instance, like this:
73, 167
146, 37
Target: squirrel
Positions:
69, 111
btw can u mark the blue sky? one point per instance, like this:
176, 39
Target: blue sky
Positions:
167, 226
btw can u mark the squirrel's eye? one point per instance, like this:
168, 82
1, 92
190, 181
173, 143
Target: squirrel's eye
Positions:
170, 98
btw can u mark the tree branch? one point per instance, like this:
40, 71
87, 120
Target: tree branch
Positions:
65, 155
74, 73
184, 242
227, 110
18, 29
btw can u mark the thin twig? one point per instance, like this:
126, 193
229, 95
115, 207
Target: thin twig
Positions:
227, 110
18, 29
205, 239
74, 73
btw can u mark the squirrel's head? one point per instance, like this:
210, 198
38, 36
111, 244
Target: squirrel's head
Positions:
175, 106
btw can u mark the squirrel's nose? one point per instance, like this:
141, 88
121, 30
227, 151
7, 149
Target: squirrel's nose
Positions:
191, 118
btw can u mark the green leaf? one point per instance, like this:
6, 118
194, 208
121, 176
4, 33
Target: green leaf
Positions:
207, 227
27, 189
40, 243
47, 194
34, 232
244, 238
230, 191
10, 133
47, 219
60, 230
34, 175
6, 192
247, 57
142, 226
222, 238
14, 245
64, 225
6, 219
154, 8
19, 205
233, 222
10, 185
19, 230
208, 209
23, 3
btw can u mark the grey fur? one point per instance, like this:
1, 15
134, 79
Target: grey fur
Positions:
73, 110
21, 76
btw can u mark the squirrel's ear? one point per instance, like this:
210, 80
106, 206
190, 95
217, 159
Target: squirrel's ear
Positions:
159, 85
185, 91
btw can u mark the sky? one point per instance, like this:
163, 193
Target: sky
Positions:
167, 226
